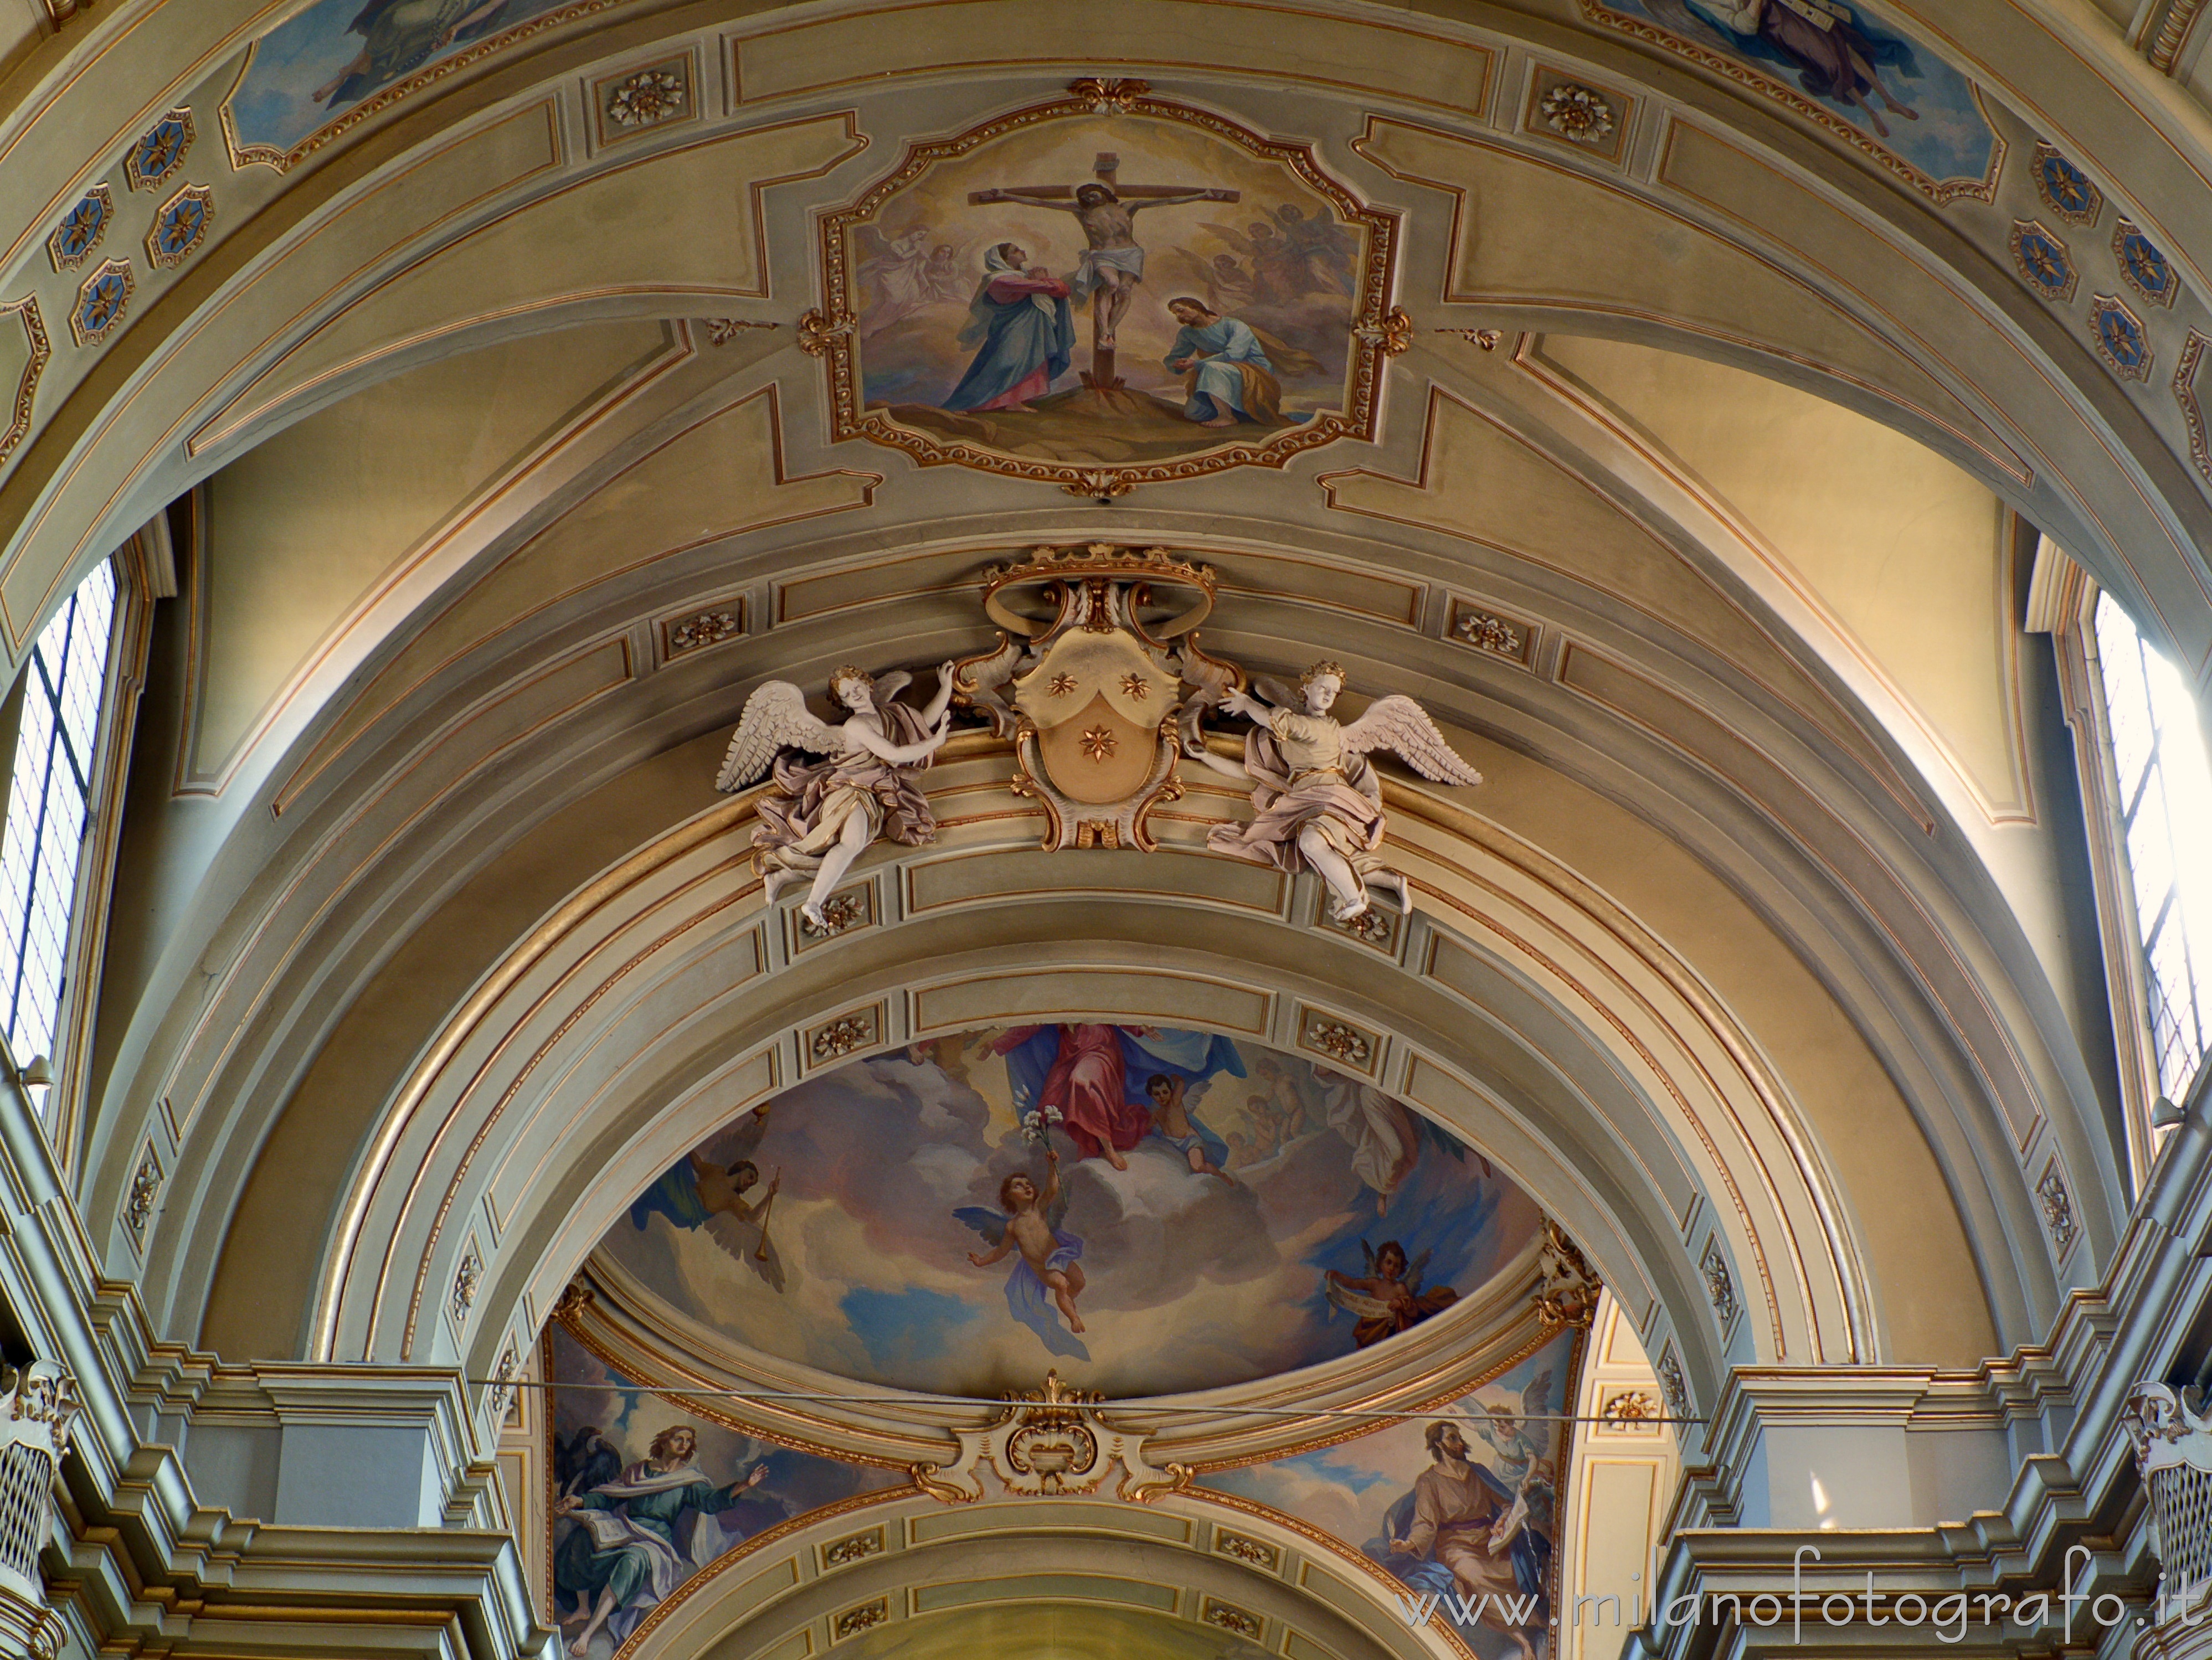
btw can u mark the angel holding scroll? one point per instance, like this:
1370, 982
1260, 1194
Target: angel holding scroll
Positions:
1317, 801
822, 815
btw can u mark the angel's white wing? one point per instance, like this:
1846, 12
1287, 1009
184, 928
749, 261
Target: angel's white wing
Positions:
1399, 724
888, 685
775, 718
1358, 1302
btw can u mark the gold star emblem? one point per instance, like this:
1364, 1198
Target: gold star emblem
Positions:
1134, 684
1098, 743
1062, 685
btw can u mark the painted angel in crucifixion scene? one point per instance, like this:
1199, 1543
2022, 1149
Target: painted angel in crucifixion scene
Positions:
823, 813
1316, 802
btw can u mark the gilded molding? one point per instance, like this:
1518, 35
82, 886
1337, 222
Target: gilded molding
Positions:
1939, 190
829, 331
26, 313
2043, 262
102, 301
2065, 189
2185, 393
181, 225
2117, 334
82, 229
159, 150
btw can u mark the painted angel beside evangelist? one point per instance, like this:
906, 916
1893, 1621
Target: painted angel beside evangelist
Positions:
823, 813
1316, 802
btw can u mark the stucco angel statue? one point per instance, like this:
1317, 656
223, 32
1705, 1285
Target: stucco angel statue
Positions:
1315, 799
822, 815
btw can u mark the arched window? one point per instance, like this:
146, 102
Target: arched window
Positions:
49, 805
2163, 802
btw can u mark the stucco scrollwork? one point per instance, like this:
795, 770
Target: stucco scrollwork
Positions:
646, 98
145, 1188
1567, 1295
1576, 113
865, 1617
466, 1278
2057, 1203
1673, 1385
1048, 1442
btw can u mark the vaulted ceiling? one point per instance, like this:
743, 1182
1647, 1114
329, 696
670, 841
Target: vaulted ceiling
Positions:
508, 459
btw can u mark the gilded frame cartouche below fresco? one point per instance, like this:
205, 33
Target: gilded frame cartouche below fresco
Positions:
1317, 265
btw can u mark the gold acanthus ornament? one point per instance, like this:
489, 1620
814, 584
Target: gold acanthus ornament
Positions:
1046, 1443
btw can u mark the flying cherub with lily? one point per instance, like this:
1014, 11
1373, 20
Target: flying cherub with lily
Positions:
1028, 1228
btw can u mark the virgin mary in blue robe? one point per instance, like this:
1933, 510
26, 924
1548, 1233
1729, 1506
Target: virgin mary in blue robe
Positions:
1023, 331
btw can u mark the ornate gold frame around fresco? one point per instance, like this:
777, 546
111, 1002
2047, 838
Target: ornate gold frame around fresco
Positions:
1378, 332
1943, 191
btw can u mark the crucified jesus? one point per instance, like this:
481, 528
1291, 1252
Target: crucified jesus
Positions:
1109, 269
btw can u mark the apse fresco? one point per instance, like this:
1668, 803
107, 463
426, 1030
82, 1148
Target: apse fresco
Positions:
645, 1496
1104, 288
1148, 1210
1849, 61
337, 54
1462, 1502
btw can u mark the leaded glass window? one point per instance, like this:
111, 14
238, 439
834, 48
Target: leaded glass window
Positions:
2165, 810
49, 806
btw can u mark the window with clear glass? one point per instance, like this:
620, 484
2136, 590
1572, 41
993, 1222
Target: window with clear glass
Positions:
2165, 808
49, 806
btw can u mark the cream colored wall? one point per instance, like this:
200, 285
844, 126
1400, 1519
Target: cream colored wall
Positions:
301, 530
23, 25
1895, 547
1616, 1491
261, 1296
1904, 573
1915, 1242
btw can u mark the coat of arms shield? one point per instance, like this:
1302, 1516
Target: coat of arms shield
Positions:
1096, 699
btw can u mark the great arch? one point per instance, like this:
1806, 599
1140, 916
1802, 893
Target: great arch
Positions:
1716, 471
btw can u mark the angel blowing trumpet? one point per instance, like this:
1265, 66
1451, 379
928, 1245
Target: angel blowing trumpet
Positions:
823, 814
1316, 802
